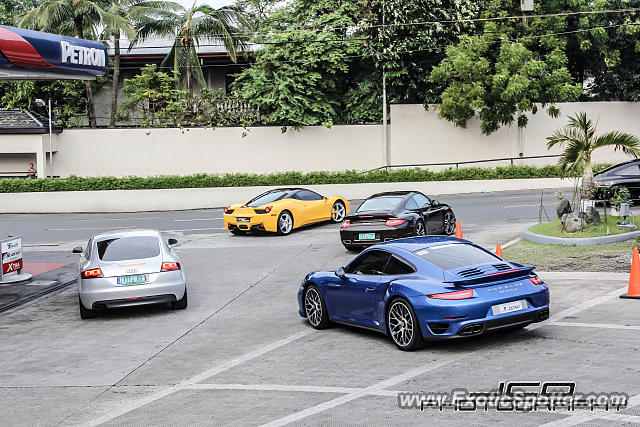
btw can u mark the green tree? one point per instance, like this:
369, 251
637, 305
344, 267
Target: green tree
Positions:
500, 81
82, 17
11, 10
188, 27
151, 94
579, 140
132, 11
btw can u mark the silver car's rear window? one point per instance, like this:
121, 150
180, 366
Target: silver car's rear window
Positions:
456, 255
123, 248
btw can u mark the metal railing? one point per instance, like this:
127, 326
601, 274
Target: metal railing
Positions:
467, 162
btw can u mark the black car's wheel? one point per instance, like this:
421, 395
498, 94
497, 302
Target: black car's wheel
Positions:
285, 223
403, 325
449, 223
237, 232
182, 303
315, 308
338, 211
420, 229
85, 313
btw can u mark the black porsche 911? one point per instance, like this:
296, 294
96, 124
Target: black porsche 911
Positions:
393, 215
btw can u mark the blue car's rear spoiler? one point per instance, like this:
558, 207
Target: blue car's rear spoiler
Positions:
492, 277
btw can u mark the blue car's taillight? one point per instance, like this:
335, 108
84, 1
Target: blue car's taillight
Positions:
466, 294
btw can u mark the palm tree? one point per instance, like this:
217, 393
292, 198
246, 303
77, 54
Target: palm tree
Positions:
188, 27
579, 141
77, 17
132, 11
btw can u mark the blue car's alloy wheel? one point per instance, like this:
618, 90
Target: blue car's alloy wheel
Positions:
403, 327
315, 308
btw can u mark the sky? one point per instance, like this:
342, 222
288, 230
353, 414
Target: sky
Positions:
212, 3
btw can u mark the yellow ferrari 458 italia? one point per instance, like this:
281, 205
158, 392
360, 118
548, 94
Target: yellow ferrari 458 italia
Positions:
282, 210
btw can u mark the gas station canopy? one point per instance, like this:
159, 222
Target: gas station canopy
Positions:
34, 55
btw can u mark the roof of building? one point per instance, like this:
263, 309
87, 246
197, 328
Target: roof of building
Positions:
160, 46
24, 121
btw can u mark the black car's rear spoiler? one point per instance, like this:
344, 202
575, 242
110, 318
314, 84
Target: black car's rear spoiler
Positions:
492, 277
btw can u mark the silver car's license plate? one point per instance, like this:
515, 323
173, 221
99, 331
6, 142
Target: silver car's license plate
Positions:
136, 279
509, 307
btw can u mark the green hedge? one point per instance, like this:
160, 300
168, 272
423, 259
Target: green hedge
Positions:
74, 183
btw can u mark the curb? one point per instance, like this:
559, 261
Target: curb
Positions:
36, 295
206, 198
578, 241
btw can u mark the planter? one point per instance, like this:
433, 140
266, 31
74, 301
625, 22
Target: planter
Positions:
624, 210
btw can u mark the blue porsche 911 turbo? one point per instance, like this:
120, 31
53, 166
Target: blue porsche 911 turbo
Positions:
425, 288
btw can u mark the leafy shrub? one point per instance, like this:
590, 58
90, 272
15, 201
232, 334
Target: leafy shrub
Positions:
74, 183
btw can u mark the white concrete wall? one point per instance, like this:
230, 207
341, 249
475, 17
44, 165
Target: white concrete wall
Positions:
148, 152
419, 136
203, 198
416, 136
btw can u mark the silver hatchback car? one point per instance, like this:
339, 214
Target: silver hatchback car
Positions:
129, 268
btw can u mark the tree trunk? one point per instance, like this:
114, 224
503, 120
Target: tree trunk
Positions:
90, 108
116, 79
587, 178
188, 70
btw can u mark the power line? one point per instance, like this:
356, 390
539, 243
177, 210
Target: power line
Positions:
433, 49
420, 23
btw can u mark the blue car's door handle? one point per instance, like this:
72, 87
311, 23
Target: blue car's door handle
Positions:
334, 285
370, 289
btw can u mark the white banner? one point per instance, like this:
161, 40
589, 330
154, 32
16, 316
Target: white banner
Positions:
11, 250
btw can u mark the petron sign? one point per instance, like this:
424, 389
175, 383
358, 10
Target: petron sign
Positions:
11, 250
34, 55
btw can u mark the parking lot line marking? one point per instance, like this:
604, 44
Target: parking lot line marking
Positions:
196, 219
574, 420
197, 378
91, 228
288, 387
578, 308
297, 416
597, 325
120, 219
521, 206
426, 368
192, 229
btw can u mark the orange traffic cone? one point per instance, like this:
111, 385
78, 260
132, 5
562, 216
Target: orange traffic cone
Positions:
458, 230
499, 250
634, 278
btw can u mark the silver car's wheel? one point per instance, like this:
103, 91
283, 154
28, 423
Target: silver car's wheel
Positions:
285, 223
315, 308
449, 223
420, 228
338, 212
402, 325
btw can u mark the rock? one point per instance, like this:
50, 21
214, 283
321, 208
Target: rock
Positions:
563, 208
572, 222
591, 216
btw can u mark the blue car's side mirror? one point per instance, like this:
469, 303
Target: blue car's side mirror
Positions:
340, 272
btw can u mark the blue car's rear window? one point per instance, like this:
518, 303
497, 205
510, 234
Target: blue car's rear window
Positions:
456, 255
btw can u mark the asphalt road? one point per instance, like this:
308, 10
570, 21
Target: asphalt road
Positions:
471, 209
241, 355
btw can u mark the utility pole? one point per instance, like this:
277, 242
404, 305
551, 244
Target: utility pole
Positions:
50, 143
385, 138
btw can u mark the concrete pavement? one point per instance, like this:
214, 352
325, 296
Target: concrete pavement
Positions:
241, 355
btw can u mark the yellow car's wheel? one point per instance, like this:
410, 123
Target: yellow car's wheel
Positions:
285, 223
338, 211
